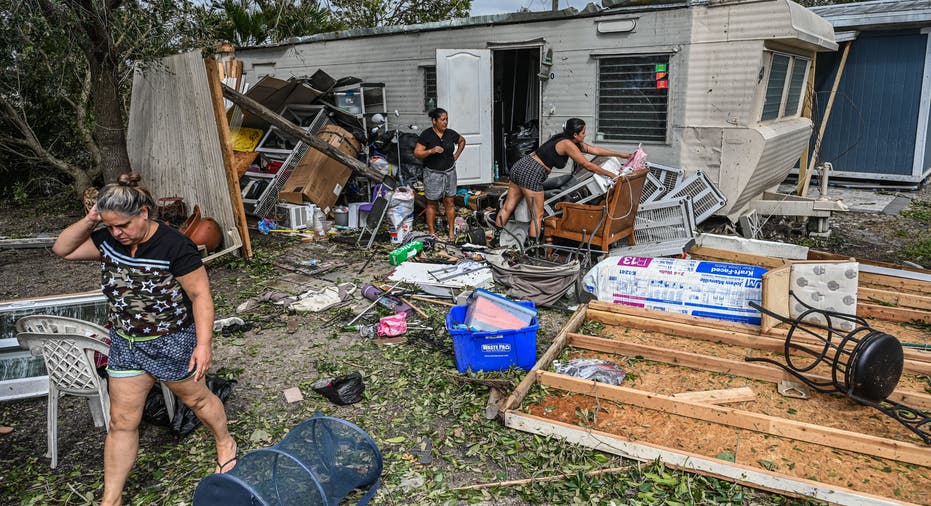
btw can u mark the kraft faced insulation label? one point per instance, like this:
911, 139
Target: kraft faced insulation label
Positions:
694, 287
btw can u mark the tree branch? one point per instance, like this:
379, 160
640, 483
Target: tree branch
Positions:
32, 143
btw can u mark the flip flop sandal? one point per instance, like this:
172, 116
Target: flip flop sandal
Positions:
222, 466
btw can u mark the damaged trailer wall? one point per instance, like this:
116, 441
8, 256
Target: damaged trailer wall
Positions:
718, 72
173, 139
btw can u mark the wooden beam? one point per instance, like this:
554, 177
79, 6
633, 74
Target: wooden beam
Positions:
559, 342
694, 463
754, 370
746, 328
28, 243
724, 396
804, 183
907, 300
226, 149
298, 133
733, 256
896, 314
811, 433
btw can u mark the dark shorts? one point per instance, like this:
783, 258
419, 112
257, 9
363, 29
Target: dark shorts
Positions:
166, 357
528, 173
437, 185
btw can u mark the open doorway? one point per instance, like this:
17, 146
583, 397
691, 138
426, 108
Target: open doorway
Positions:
516, 114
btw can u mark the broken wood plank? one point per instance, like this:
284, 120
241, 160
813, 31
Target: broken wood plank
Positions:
758, 371
900, 299
801, 431
527, 481
733, 256
694, 463
28, 242
727, 395
896, 314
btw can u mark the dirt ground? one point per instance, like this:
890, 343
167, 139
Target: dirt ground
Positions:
451, 425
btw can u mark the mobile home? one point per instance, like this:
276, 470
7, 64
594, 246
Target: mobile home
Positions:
715, 85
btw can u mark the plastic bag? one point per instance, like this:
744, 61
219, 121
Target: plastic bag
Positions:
401, 205
185, 421
592, 369
154, 411
394, 325
341, 390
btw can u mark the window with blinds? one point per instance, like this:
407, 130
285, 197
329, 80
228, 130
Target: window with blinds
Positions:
429, 88
785, 86
633, 98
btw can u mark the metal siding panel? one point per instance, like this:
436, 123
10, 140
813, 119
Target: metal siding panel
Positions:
873, 122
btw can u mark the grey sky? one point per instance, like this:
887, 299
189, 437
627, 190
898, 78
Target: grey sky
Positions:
485, 7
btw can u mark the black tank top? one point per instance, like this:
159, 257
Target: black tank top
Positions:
548, 155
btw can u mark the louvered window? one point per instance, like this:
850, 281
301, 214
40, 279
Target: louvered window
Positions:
633, 97
785, 86
429, 88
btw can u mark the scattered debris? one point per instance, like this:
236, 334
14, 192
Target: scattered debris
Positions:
292, 395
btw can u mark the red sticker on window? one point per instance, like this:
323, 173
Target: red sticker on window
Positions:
664, 84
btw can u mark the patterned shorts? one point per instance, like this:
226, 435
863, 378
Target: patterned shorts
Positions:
437, 185
166, 357
528, 173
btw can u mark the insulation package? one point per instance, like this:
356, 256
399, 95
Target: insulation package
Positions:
698, 288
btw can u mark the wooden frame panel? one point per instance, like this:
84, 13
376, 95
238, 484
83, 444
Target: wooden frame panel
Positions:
644, 451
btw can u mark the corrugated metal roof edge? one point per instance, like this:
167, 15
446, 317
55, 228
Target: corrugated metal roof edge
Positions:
590, 10
859, 15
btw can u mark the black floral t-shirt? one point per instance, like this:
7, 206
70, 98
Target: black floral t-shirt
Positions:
143, 292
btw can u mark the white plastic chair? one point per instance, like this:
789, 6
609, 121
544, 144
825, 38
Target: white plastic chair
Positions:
69, 359
53, 324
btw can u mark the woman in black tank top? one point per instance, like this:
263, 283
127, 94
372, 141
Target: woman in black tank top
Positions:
528, 174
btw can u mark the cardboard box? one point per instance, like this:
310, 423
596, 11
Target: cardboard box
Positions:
318, 178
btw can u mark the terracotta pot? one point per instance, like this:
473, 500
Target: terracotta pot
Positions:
203, 231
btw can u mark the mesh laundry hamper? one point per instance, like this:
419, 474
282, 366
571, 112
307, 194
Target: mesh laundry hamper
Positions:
318, 463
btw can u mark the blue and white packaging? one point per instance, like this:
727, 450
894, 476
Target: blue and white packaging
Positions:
694, 287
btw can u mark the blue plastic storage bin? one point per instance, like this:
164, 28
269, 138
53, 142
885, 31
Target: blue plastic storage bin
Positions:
493, 350
318, 463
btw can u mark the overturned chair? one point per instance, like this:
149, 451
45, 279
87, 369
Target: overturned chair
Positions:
603, 224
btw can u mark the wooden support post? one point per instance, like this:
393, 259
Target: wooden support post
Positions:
226, 148
803, 183
806, 113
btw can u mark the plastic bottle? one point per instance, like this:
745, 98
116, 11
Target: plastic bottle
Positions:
496, 170
405, 252
373, 293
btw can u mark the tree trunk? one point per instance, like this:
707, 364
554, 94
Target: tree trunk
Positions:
109, 130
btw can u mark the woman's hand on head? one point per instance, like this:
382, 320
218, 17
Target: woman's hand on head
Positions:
92, 215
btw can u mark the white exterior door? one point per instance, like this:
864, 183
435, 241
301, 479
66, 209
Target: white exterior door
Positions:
463, 88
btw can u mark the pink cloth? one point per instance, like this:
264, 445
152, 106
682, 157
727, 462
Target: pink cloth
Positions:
390, 326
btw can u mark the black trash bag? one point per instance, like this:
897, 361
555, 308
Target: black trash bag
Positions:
154, 411
342, 390
185, 421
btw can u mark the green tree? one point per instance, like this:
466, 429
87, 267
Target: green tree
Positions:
372, 13
68, 68
254, 22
